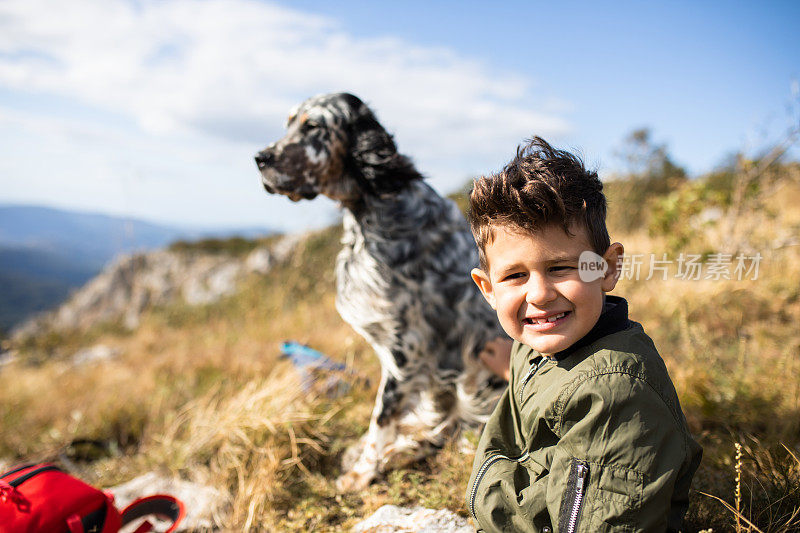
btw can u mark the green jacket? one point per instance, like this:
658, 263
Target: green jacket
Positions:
590, 440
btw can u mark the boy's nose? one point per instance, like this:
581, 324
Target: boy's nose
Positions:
539, 291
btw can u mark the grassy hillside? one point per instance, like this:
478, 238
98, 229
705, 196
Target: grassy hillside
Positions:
201, 391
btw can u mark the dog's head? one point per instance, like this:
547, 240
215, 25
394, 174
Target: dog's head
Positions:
333, 146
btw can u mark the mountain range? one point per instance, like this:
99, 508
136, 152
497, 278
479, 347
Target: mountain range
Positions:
47, 252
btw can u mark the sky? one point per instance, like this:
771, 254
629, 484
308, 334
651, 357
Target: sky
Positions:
154, 109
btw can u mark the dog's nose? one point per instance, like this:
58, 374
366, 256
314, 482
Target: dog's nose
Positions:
264, 158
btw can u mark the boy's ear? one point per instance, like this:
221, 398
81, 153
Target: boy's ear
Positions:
613, 257
483, 282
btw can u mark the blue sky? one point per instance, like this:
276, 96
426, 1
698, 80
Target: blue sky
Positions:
154, 109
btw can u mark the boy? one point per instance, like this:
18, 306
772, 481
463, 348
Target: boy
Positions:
589, 436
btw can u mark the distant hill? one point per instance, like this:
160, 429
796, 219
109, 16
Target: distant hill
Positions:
34, 280
46, 252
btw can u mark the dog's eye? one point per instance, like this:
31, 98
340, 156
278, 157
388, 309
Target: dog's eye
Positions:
309, 125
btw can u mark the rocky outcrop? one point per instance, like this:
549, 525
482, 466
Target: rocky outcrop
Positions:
131, 284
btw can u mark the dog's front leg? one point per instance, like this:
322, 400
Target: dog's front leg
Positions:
362, 460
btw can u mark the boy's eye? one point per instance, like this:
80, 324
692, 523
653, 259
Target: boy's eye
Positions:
562, 268
512, 276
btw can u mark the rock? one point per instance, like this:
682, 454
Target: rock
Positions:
259, 261
392, 519
93, 354
7, 357
204, 505
282, 249
212, 283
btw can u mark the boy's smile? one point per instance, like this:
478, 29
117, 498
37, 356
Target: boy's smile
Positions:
534, 286
545, 322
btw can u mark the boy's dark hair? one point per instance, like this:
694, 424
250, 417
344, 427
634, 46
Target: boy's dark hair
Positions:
539, 187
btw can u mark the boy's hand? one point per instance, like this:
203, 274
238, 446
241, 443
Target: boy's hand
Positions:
496, 355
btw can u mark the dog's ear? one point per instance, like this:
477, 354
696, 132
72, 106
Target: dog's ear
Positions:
372, 145
373, 157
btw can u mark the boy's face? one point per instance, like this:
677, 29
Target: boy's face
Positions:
534, 286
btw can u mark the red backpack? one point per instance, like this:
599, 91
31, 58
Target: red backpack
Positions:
43, 498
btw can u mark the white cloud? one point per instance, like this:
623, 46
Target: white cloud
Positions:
231, 69
190, 180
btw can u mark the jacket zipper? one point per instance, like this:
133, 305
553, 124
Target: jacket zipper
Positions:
484, 468
535, 368
583, 471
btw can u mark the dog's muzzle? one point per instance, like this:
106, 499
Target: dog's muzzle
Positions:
264, 159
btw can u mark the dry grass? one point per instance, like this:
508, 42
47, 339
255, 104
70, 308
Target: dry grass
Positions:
733, 351
201, 393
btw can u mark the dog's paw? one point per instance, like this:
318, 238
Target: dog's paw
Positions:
353, 454
354, 481
402, 453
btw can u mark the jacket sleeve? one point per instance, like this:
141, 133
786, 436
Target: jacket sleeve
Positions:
622, 448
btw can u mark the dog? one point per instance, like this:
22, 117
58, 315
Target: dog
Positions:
403, 280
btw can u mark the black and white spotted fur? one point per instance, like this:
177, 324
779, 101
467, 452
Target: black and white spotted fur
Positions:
403, 279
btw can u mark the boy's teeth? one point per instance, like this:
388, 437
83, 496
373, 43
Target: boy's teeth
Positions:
546, 320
